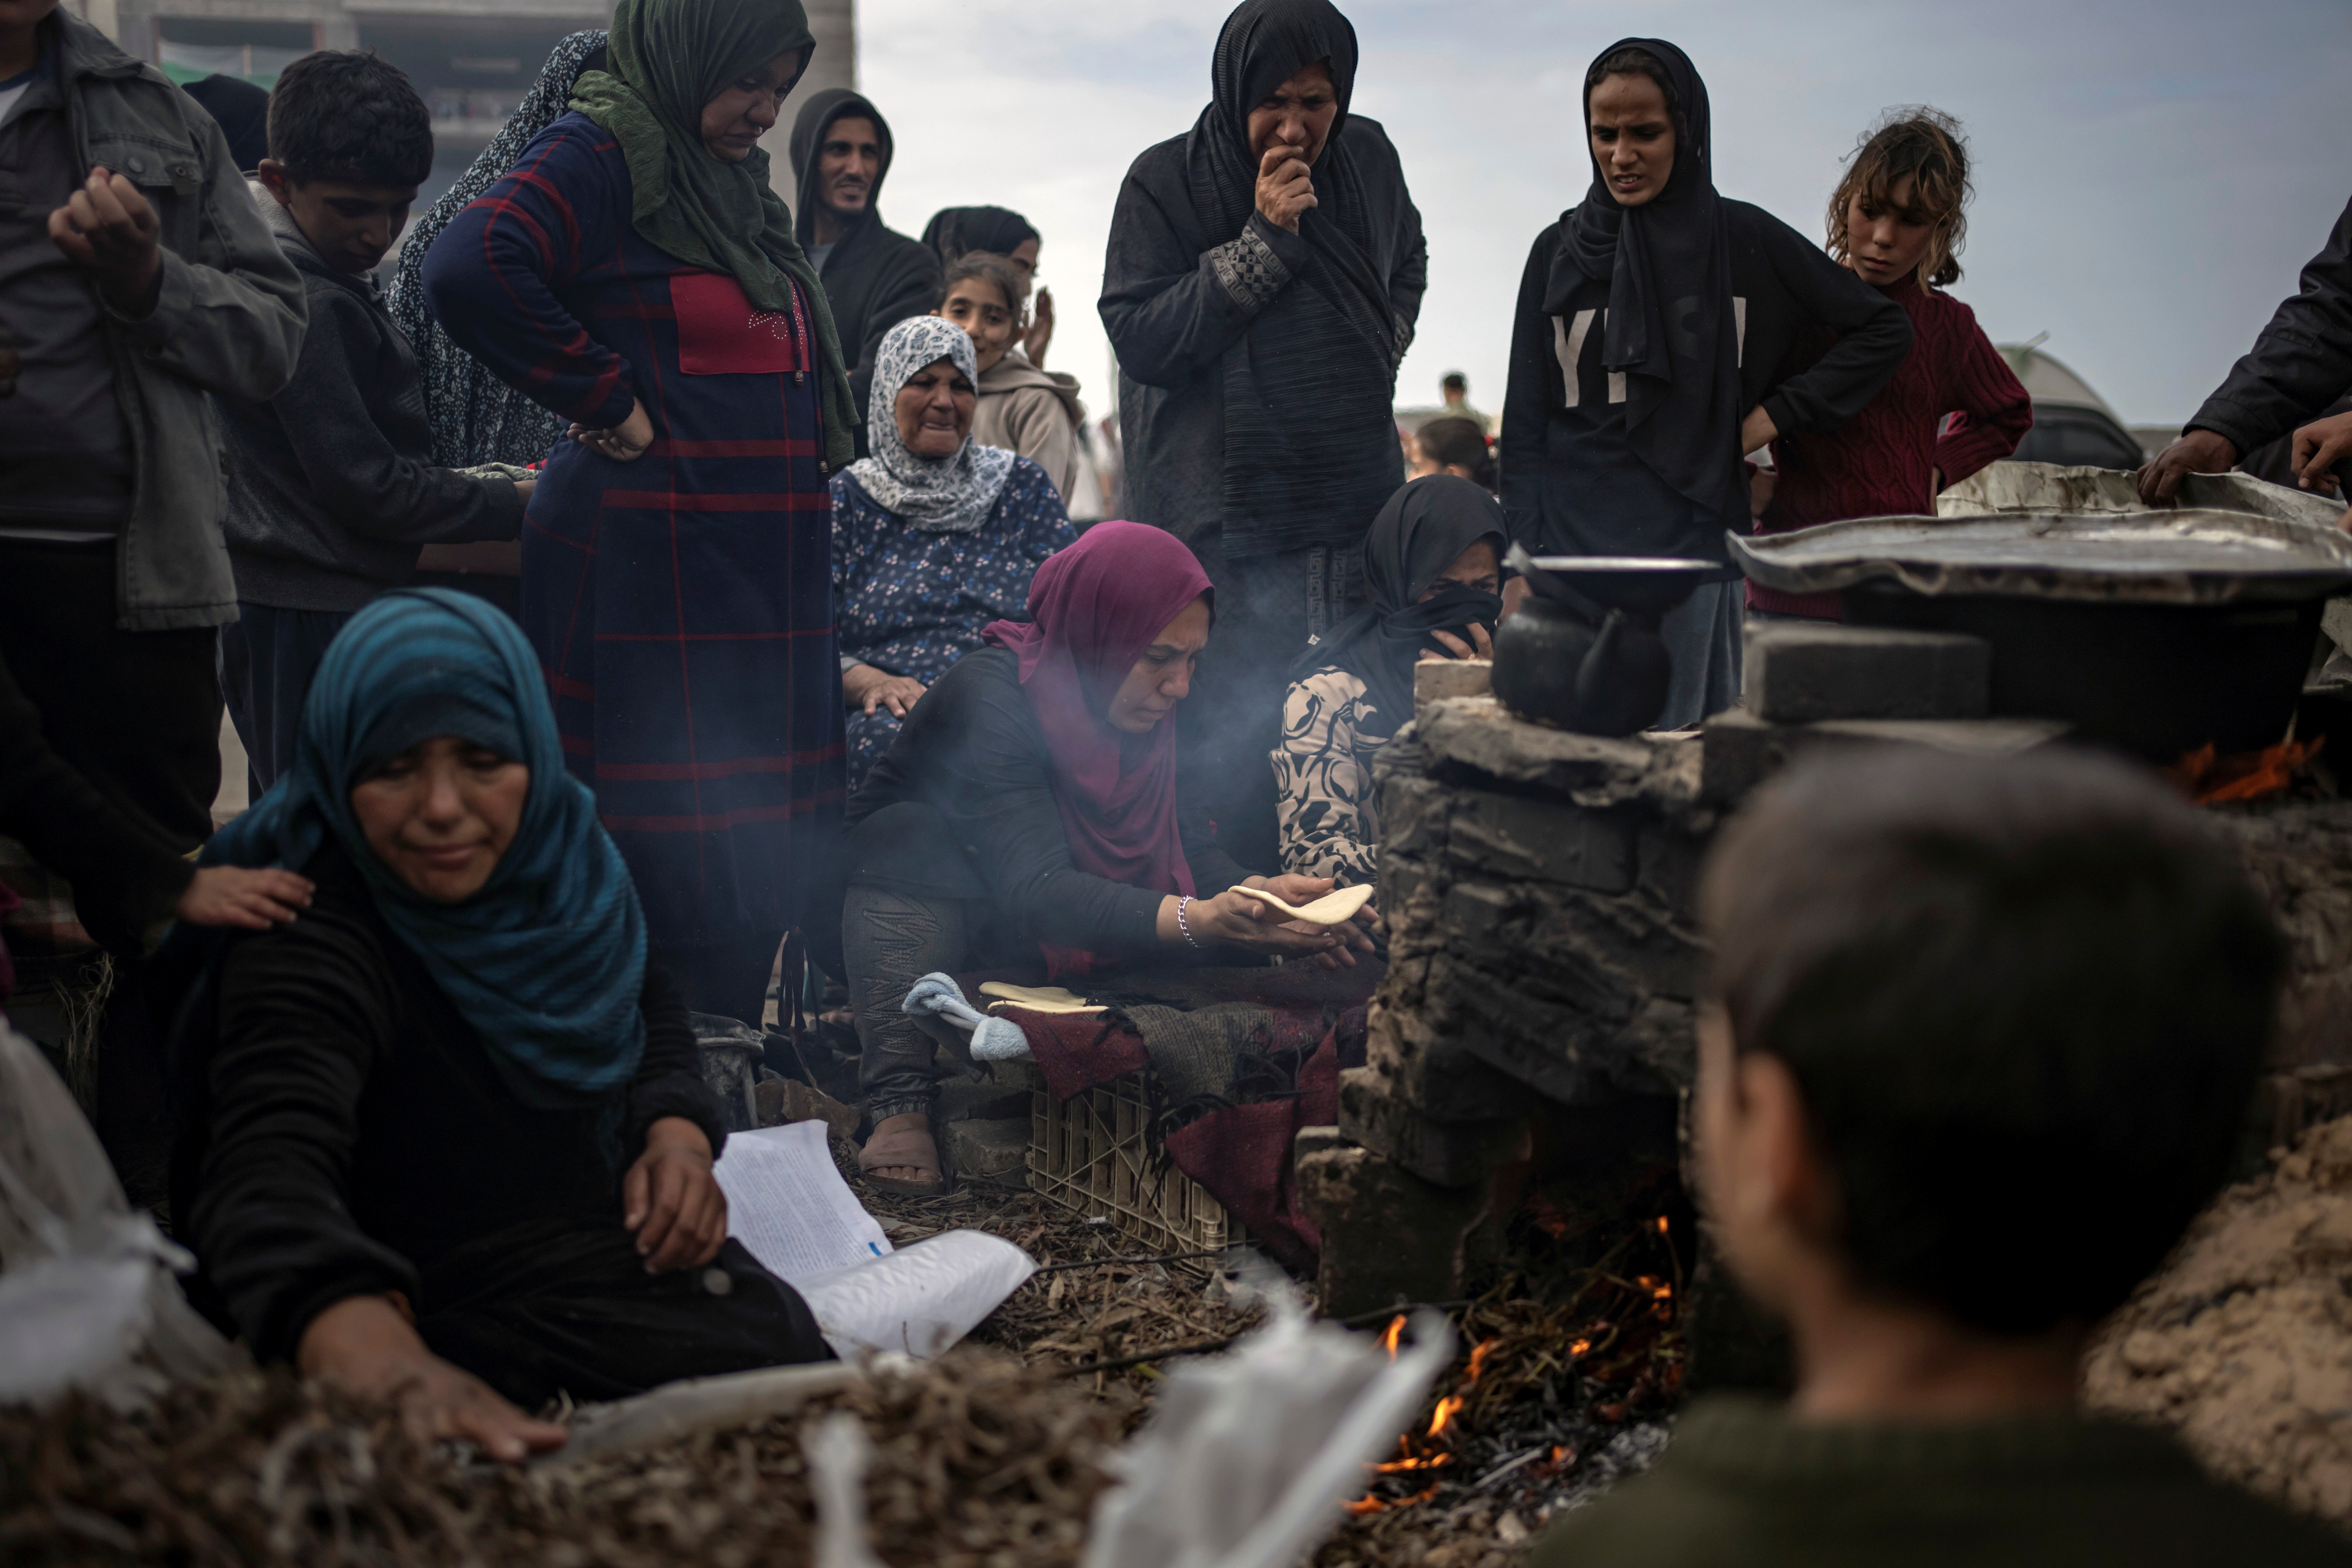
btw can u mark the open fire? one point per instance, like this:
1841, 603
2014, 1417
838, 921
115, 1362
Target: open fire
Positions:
1543, 1386
2207, 779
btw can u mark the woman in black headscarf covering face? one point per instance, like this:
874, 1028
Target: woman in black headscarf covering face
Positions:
1264, 275
1653, 320
1432, 564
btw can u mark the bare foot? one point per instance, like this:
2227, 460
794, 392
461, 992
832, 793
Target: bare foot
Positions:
905, 1141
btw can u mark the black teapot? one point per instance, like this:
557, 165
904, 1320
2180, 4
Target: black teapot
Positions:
1582, 650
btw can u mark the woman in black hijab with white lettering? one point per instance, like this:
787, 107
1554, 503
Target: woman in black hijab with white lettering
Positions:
1652, 320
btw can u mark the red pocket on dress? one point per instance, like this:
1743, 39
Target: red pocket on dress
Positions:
719, 332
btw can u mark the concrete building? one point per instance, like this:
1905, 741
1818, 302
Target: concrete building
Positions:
471, 60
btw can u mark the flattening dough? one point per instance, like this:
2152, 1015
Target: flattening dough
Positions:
1036, 999
1337, 907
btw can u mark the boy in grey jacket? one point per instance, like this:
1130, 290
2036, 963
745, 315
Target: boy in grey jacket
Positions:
135, 276
331, 487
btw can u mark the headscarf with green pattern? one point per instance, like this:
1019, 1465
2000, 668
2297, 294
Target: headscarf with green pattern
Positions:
669, 58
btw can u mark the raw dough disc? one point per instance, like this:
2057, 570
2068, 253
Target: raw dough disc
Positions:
1036, 999
1337, 907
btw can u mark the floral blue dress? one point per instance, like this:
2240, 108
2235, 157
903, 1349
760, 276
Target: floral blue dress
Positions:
913, 602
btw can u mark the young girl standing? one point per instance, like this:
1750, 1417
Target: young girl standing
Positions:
1896, 221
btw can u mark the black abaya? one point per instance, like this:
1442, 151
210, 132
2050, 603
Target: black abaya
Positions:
347, 1134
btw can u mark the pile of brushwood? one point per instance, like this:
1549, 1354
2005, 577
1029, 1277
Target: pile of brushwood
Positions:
992, 1455
977, 1461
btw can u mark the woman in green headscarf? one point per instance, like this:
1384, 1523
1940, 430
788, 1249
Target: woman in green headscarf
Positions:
635, 273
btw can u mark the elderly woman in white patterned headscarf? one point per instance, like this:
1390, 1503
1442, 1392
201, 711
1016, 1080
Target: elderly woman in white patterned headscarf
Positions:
934, 535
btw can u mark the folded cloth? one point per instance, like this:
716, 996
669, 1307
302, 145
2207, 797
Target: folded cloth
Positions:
993, 1039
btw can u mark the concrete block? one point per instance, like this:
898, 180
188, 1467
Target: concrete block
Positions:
1448, 1154
988, 1151
1436, 680
1388, 1235
1003, 1092
1549, 840
1438, 1074
1799, 671
781, 1100
1741, 750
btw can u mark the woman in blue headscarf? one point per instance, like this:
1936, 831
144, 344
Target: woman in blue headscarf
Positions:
448, 1134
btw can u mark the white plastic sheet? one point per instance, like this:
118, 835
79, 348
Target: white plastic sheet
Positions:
87, 1296
1248, 1456
787, 1203
919, 1300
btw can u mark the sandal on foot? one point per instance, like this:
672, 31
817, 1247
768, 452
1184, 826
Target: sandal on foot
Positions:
903, 1141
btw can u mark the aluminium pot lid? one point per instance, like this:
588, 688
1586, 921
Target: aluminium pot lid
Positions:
2180, 557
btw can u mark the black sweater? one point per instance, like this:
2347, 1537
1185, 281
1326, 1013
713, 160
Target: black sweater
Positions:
874, 277
1570, 488
126, 877
973, 751
2300, 363
349, 1134
1174, 306
331, 488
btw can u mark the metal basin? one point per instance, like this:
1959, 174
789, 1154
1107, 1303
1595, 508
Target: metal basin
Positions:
2156, 633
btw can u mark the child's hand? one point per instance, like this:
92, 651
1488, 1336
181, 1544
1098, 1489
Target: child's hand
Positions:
108, 228
240, 896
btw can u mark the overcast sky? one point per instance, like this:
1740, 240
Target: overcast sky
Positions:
2151, 176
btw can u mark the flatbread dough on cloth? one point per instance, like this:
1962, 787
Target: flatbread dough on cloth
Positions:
1037, 998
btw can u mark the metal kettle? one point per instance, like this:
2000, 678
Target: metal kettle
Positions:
1583, 652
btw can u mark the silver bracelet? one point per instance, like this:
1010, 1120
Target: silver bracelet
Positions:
1182, 925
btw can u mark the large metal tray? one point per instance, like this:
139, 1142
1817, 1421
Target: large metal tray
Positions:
2194, 557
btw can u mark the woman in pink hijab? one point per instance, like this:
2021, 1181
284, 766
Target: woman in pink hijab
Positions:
1029, 805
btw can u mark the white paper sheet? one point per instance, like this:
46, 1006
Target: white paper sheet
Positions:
920, 1301
787, 1204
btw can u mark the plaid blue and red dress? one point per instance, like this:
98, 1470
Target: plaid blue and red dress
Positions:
681, 604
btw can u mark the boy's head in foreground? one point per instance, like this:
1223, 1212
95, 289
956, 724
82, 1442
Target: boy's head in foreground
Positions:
1981, 1040
349, 142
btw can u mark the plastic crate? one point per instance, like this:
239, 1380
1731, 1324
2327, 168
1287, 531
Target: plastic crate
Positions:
1088, 1154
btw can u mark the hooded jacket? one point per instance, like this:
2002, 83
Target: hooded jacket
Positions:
1032, 412
874, 277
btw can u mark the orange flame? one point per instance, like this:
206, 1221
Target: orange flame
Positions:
2211, 780
1579, 1347
1369, 1504
1448, 1408
1662, 1224
1395, 1336
1479, 1361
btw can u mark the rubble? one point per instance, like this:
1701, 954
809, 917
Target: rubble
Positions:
2243, 1344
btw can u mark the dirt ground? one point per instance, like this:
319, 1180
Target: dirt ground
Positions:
2243, 1344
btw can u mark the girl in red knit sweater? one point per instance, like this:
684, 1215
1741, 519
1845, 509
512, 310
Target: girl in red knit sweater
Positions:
1898, 220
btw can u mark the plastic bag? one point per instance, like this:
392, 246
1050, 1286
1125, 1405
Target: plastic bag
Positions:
1248, 1456
86, 1294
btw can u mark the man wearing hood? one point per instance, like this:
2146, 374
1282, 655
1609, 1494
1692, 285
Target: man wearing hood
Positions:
874, 277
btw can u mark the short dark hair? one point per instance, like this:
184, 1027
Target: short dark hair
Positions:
1451, 439
1453, 381
2025, 1000
995, 269
1639, 62
1927, 147
350, 114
